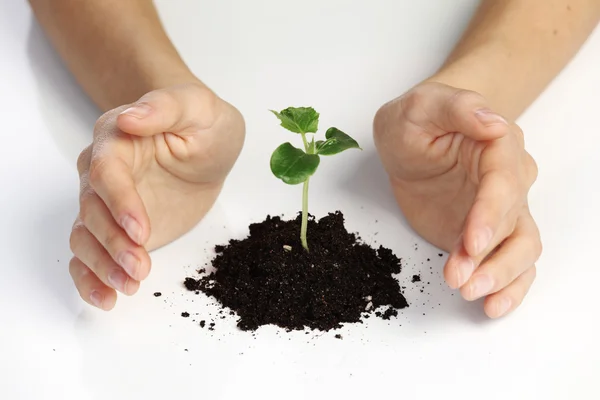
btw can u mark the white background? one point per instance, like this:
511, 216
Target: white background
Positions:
345, 58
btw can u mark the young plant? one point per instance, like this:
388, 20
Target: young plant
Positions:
293, 165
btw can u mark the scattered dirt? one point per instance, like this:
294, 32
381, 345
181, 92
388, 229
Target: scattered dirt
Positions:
268, 278
416, 278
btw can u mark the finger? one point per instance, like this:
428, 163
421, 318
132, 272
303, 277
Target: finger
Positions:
177, 110
97, 219
509, 298
498, 194
518, 253
110, 177
442, 109
89, 251
459, 266
90, 288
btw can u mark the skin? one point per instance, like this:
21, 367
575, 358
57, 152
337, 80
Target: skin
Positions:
160, 153
454, 156
457, 161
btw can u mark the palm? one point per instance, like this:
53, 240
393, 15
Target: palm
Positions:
191, 162
435, 173
436, 183
464, 192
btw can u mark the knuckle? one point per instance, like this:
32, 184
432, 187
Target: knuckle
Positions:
111, 241
98, 168
101, 123
86, 203
537, 247
99, 264
517, 299
532, 168
73, 268
533, 273
74, 239
207, 101
77, 270
83, 160
412, 104
519, 134
383, 119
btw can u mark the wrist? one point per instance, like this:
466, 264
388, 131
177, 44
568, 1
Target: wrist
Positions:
485, 69
142, 77
167, 77
467, 72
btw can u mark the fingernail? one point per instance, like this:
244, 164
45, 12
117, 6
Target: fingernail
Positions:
118, 280
483, 237
133, 228
502, 306
130, 263
487, 117
139, 111
464, 269
96, 298
480, 286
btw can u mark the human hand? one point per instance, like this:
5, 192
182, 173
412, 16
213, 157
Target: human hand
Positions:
153, 171
461, 176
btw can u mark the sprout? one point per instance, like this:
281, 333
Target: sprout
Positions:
293, 165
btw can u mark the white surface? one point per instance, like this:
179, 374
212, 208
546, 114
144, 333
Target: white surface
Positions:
260, 55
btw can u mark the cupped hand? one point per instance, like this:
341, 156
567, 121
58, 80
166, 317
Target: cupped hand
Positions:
154, 169
461, 176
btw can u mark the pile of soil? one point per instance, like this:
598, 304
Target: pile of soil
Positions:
268, 278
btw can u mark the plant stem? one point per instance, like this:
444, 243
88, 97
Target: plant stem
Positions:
304, 226
305, 142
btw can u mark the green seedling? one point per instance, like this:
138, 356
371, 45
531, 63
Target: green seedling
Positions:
293, 165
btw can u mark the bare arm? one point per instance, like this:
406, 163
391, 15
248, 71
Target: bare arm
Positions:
514, 48
116, 49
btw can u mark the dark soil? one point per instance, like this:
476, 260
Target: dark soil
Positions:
268, 278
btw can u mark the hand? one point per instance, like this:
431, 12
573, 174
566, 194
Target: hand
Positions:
461, 176
153, 171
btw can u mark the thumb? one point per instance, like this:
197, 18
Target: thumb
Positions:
181, 110
442, 109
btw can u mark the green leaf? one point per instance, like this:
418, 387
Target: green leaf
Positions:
292, 165
337, 141
299, 119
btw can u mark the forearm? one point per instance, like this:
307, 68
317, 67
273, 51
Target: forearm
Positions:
514, 48
117, 50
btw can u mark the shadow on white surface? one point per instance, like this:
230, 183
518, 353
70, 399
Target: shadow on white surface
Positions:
67, 111
50, 260
368, 183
